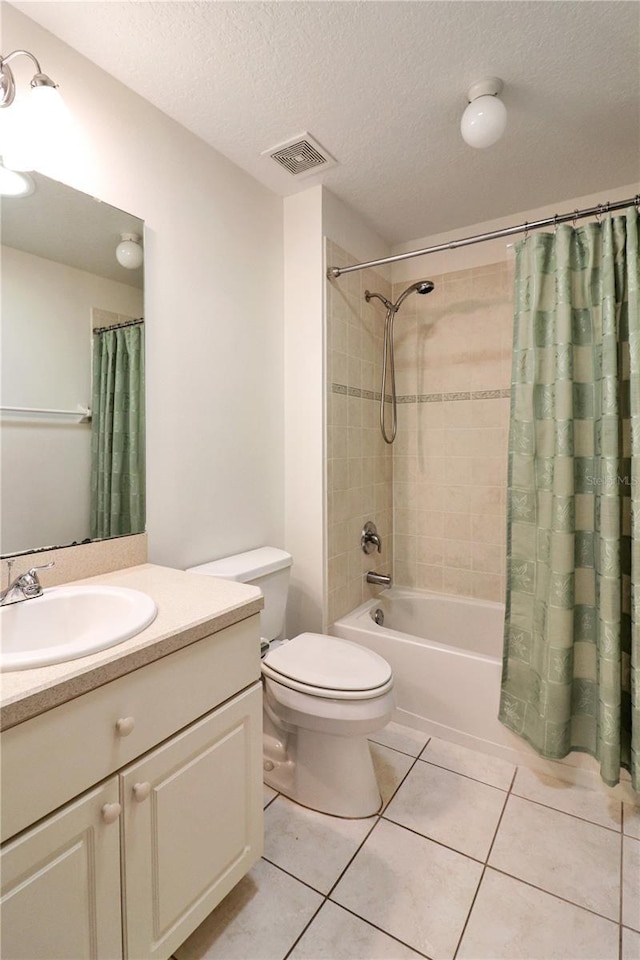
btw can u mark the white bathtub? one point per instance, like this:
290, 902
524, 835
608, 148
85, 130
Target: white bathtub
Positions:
446, 656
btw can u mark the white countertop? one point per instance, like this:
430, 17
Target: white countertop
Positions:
190, 607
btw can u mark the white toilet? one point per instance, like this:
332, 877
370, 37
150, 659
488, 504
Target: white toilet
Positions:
322, 698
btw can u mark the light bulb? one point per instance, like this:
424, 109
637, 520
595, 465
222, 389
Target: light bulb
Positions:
33, 127
485, 119
129, 252
483, 122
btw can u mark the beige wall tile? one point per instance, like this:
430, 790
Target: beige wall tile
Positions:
429, 523
458, 582
429, 577
457, 553
429, 550
463, 335
359, 467
457, 526
488, 586
439, 492
488, 558
488, 529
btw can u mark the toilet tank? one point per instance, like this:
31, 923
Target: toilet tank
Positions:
267, 568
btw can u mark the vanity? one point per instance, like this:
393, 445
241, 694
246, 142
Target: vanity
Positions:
132, 778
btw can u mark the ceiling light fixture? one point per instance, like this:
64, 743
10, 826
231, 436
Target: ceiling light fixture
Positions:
129, 251
485, 119
37, 119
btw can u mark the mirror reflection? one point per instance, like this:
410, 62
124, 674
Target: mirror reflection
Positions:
72, 387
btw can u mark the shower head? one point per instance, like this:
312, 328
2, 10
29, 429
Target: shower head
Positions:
421, 286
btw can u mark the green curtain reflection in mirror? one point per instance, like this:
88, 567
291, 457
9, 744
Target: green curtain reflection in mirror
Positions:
117, 432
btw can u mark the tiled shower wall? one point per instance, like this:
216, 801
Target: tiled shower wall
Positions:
359, 462
438, 495
453, 361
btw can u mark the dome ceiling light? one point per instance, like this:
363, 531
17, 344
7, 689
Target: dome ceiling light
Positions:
485, 119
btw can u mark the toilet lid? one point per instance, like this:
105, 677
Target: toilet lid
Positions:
317, 660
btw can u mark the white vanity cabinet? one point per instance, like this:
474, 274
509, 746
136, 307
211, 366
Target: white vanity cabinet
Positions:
61, 883
148, 800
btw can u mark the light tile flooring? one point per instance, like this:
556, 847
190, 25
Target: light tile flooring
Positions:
470, 859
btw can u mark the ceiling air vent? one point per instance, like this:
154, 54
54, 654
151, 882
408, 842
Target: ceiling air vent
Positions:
301, 156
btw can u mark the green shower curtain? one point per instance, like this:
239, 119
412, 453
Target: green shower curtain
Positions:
117, 432
571, 674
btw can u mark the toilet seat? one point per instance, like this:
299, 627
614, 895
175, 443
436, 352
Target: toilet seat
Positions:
324, 666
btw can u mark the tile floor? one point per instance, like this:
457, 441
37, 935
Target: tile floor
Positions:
471, 858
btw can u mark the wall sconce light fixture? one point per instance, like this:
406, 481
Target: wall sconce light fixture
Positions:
129, 251
41, 114
485, 119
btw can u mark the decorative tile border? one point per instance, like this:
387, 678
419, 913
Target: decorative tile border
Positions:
423, 397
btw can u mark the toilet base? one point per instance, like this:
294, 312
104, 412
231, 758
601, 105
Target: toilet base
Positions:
330, 774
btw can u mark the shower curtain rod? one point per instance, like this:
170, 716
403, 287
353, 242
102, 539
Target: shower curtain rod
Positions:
119, 326
334, 272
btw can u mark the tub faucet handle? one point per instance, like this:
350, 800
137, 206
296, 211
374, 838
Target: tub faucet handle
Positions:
370, 539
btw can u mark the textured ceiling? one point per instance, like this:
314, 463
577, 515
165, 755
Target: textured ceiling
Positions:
382, 86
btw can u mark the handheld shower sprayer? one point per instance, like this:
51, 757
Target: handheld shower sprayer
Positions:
422, 287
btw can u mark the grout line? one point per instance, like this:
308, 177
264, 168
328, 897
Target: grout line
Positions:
381, 929
423, 836
293, 876
506, 800
486, 862
400, 782
301, 935
575, 816
270, 801
355, 854
404, 753
550, 893
466, 775
325, 895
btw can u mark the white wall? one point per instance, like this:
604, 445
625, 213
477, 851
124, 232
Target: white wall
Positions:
46, 363
213, 308
309, 217
490, 251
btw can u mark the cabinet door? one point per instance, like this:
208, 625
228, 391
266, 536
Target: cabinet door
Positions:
192, 825
61, 884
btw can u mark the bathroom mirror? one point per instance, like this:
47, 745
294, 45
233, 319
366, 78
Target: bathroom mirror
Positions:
72, 444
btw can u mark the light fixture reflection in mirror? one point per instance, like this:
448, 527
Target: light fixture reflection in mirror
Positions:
60, 281
129, 251
15, 184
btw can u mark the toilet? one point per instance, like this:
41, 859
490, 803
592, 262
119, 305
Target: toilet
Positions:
322, 698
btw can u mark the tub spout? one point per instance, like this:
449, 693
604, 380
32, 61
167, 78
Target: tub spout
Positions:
382, 579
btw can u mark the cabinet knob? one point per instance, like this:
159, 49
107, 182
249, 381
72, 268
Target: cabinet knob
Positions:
124, 726
141, 791
111, 812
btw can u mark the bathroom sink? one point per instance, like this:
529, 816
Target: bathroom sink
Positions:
70, 622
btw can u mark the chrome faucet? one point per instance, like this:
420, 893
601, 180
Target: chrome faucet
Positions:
381, 579
25, 587
369, 539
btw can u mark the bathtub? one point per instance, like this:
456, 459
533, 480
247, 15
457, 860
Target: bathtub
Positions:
446, 656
